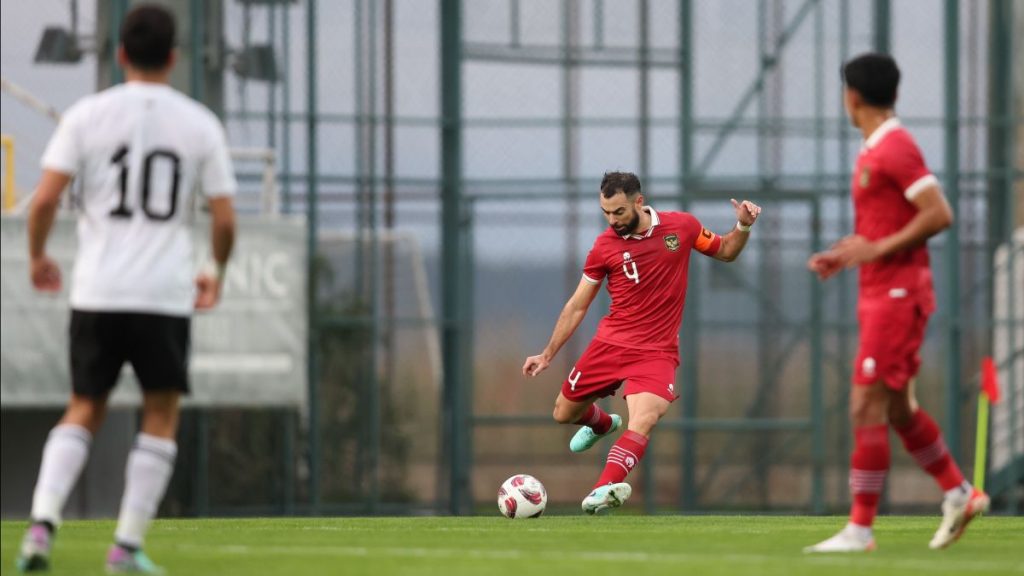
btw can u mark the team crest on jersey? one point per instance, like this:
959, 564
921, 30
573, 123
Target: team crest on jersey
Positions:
865, 177
672, 242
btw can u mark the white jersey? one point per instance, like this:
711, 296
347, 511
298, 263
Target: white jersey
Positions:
141, 151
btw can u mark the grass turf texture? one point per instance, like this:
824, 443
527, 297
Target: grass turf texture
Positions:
563, 545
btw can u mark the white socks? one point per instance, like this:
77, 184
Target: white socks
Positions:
961, 493
64, 456
147, 473
862, 533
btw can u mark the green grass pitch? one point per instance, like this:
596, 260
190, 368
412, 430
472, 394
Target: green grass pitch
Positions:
562, 545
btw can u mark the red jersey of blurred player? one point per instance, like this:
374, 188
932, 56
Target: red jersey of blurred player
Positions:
898, 205
896, 294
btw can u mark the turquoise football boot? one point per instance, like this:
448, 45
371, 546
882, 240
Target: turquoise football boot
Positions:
585, 437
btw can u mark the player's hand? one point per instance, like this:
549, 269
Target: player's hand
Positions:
746, 211
45, 274
207, 292
535, 365
852, 251
824, 264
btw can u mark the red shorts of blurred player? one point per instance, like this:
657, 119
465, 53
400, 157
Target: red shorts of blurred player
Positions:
604, 367
892, 330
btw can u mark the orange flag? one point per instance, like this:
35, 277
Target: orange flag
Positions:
990, 380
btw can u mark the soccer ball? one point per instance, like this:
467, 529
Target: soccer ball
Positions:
522, 496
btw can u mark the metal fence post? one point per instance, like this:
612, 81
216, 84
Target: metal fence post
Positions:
952, 247
451, 214
313, 367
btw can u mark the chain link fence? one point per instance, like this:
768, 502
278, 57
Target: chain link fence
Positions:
447, 157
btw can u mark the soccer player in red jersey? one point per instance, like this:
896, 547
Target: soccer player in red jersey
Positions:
898, 205
644, 255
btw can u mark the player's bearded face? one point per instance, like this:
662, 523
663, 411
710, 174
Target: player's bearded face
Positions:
622, 212
629, 226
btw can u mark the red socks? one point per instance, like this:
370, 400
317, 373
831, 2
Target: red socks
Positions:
868, 467
598, 420
870, 462
624, 455
923, 440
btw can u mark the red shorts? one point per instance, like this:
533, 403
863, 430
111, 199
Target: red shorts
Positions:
891, 334
604, 367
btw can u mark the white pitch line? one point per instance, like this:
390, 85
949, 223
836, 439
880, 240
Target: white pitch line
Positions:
947, 565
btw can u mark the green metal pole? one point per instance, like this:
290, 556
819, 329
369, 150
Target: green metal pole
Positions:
882, 40
313, 367
572, 216
272, 87
451, 212
845, 299
360, 151
817, 333
197, 47
118, 10
767, 229
643, 17
1015, 505
196, 89
286, 104
374, 408
952, 248
288, 486
362, 289
467, 350
202, 477
514, 16
691, 323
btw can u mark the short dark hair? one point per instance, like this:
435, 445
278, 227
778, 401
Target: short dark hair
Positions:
875, 77
615, 182
147, 35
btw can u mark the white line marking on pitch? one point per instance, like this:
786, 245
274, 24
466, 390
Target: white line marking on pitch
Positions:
947, 565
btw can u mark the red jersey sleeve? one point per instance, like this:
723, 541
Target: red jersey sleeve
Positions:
905, 165
706, 242
594, 270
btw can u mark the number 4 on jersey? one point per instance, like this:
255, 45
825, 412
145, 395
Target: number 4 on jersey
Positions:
120, 158
628, 266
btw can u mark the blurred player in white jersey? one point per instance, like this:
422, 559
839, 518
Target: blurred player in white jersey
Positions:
140, 150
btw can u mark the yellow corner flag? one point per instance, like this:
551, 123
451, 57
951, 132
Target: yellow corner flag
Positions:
989, 395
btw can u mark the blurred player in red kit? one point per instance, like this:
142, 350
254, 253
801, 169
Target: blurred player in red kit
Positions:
645, 256
898, 205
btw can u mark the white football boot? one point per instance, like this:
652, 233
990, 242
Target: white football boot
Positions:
957, 513
851, 538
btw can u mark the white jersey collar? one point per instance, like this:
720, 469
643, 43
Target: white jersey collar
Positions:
654, 222
881, 132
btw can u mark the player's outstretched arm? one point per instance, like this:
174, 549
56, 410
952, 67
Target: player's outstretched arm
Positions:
733, 242
44, 271
222, 239
933, 216
572, 314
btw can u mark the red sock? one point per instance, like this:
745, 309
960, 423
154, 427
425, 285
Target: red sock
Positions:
923, 439
598, 420
624, 455
868, 466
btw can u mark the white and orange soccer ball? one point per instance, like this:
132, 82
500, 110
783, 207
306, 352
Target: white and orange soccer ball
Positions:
522, 496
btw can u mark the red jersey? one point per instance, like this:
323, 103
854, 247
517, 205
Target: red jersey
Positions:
647, 276
890, 172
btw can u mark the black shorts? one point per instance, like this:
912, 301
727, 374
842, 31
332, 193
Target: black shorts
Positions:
156, 345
